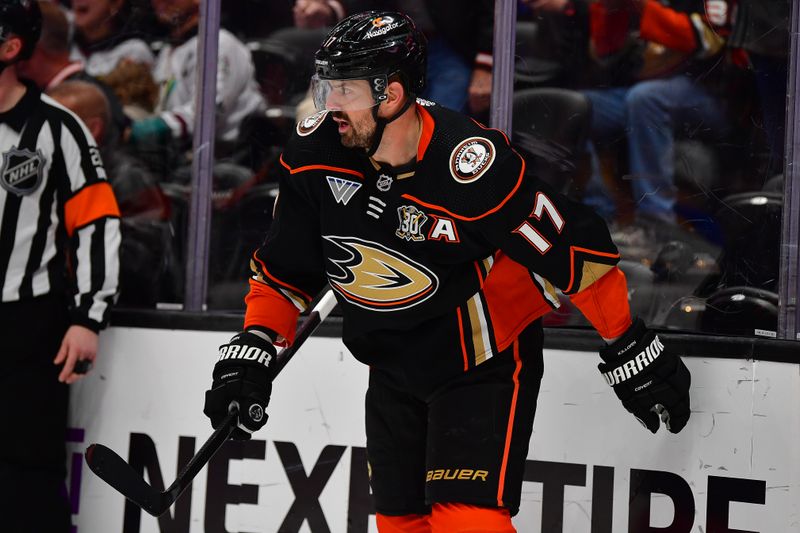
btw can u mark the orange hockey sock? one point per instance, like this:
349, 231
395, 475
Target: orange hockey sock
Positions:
410, 523
463, 518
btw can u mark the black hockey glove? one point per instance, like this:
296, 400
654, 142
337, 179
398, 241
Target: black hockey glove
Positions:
649, 378
242, 378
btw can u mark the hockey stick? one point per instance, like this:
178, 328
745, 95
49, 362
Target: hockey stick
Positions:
113, 469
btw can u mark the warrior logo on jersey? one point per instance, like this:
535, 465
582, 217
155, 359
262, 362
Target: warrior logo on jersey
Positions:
471, 159
311, 123
411, 222
22, 171
378, 278
342, 189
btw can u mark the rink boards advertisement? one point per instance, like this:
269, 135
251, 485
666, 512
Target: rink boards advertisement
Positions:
591, 467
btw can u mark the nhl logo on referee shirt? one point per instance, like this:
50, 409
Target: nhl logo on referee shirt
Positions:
22, 171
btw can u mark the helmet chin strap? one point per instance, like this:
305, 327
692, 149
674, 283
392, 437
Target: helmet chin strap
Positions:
383, 122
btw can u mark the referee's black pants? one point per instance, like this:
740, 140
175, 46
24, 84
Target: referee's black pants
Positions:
34, 417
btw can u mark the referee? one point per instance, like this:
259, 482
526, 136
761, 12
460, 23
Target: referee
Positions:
59, 240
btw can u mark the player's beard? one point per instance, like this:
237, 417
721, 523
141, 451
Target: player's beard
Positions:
360, 134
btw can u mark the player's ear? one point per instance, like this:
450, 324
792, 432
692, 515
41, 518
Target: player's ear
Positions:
395, 95
11, 48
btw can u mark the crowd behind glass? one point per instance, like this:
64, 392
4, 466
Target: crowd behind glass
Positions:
679, 146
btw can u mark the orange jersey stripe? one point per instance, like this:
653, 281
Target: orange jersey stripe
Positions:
512, 412
501, 132
91, 203
427, 132
268, 308
572, 250
279, 282
480, 274
513, 300
470, 219
461, 338
605, 304
320, 167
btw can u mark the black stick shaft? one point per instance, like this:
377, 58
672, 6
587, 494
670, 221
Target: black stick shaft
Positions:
221, 434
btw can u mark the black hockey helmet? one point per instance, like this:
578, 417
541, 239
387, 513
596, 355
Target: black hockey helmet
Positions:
22, 18
375, 45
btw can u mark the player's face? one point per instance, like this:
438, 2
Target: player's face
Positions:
350, 103
356, 128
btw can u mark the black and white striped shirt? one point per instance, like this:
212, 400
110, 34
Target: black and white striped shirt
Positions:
59, 221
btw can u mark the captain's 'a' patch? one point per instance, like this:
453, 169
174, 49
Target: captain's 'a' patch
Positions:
21, 171
311, 122
471, 159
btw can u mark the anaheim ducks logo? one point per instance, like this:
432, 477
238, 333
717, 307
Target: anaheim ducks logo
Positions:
375, 277
471, 159
310, 123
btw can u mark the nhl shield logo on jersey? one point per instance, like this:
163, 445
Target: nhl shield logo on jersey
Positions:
384, 182
471, 159
378, 278
22, 171
311, 123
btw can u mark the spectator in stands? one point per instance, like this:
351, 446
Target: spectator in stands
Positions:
459, 51
101, 39
146, 254
762, 30
135, 87
313, 14
659, 59
51, 65
176, 69
135, 188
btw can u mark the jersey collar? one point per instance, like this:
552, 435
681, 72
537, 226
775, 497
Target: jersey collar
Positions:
427, 131
16, 117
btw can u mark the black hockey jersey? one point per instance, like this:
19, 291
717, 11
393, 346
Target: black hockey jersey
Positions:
455, 254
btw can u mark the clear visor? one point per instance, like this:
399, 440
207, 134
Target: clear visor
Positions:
341, 95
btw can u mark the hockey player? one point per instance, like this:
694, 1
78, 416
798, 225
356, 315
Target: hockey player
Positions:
443, 254
59, 243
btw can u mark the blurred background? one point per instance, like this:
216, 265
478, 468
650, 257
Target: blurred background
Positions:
667, 117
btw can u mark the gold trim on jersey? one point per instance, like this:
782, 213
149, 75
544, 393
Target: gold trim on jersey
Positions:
480, 330
592, 272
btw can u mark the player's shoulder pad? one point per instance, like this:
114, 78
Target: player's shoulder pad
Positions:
315, 141
309, 125
483, 171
